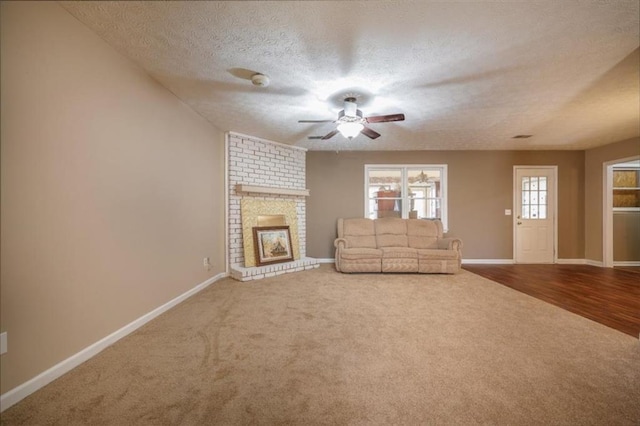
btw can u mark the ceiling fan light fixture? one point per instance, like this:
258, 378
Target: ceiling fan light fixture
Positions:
350, 129
350, 108
351, 122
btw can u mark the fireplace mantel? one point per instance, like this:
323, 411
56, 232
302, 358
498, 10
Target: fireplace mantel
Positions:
271, 190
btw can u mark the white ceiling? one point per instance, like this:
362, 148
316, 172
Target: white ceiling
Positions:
467, 75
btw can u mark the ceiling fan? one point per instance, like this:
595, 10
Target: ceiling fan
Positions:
351, 122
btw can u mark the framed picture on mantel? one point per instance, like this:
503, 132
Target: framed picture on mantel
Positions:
272, 244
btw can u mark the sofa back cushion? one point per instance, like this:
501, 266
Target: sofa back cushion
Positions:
424, 234
391, 232
359, 232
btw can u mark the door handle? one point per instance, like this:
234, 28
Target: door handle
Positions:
519, 223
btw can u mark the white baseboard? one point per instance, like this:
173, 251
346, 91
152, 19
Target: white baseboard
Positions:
626, 263
571, 261
487, 261
326, 260
558, 261
22, 391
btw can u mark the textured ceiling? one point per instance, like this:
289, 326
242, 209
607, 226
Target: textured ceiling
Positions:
467, 75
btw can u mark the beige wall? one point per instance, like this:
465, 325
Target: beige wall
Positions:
594, 160
109, 191
480, 189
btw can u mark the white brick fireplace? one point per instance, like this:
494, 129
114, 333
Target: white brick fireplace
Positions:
266, 171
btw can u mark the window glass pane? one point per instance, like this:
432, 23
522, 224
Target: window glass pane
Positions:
626, 198
424, 208
384, 180
525, 197
427, 180
384, 187
534, 197
431, 209
534, 183
534, 212
543, 183
542, 210
417, 208
543, 197
422, 176
525, 212
389, 208
626, 178
372, 207
525, 183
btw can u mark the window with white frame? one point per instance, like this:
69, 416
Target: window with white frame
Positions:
417, 191
626, 186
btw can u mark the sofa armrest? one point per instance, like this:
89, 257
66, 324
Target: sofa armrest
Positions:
450, 243
340, 243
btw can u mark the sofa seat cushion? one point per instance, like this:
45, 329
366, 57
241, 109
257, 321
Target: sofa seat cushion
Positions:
361, 265
429, 254
397, 264
358, 253
399, 253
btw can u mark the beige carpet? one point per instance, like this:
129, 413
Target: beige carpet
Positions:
320, 347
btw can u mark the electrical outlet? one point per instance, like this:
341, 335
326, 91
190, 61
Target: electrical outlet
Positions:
3, 343
206, 263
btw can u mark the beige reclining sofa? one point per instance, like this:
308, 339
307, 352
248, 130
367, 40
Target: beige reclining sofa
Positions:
395, 245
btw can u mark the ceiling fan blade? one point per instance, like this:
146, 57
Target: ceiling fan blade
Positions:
325, 137
370, 133
385, 118
316, 121
330, 135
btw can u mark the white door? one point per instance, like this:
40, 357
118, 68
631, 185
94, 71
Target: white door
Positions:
534, 193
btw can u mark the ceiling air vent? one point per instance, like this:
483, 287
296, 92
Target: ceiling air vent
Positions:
521, 136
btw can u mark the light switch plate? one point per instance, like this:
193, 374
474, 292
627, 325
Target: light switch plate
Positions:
507, 212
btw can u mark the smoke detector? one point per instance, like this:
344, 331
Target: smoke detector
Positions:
260, 80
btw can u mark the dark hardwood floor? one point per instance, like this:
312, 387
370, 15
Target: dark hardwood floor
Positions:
608, 296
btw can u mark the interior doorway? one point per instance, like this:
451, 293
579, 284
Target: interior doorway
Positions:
620, 203
534, 223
